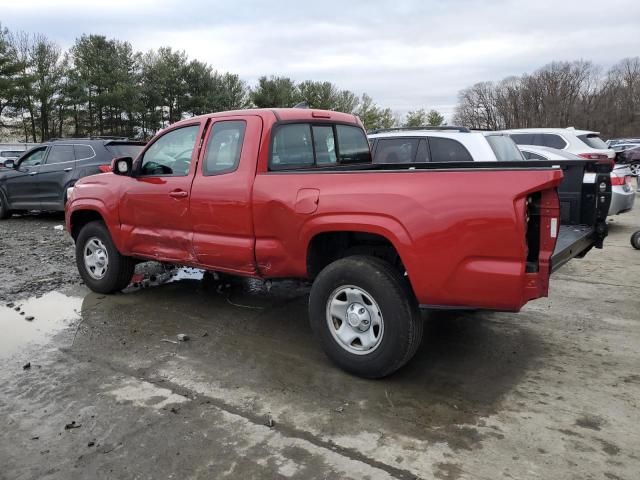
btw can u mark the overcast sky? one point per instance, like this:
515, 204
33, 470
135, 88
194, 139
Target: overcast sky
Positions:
405, 54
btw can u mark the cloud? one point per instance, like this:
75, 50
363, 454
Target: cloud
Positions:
405, 53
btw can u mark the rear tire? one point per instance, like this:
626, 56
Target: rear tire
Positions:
635, 240
365, 298
101, 266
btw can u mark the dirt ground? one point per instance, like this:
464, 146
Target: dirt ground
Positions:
91, 386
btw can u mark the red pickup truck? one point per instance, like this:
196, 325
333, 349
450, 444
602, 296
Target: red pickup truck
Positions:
292, 193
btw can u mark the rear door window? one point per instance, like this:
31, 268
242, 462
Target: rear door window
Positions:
504, 147
224, 147
396, 150
593, 140
61, 153
447, 150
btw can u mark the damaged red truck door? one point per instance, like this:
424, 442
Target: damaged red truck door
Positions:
292, 193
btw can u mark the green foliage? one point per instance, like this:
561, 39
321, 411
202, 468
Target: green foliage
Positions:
435, 118
415, 118
275, 92
373, 116
101, 86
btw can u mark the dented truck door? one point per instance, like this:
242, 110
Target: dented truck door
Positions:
223, 235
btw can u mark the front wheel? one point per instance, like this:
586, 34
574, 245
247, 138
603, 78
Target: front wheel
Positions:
101, 266
364, 313
4, 209
635, 169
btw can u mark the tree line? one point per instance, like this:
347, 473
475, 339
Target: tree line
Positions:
102, 87
560, 94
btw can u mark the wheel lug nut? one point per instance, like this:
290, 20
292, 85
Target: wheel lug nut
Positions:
361, 311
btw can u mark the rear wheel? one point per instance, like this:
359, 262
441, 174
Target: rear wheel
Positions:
635, 240
101, 266
635, 168
365, 315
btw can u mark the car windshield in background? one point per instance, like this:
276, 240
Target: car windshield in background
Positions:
594, 141
124, 149
504, 147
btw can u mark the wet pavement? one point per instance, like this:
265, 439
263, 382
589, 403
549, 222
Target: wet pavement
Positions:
110, 392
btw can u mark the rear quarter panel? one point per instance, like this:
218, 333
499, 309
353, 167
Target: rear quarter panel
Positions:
460, 234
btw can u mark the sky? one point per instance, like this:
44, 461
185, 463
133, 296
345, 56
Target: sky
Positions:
406, 54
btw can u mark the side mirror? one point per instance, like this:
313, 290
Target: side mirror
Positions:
122, 166
9, 164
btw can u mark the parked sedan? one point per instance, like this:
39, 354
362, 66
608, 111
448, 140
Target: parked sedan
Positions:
622, 193
39, 179
628, 154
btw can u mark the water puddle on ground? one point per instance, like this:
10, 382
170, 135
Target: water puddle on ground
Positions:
36, 320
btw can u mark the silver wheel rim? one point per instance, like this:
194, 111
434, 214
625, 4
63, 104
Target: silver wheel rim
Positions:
96, 258
634, 169
354, 320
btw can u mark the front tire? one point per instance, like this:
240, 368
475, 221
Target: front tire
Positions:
4, 208
365, 315
101, 266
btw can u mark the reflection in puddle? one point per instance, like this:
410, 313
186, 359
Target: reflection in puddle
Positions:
48, 314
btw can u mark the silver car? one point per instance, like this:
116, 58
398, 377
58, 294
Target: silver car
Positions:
623, 195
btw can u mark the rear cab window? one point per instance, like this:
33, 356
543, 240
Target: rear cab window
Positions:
593, 140
504, 148
307, 145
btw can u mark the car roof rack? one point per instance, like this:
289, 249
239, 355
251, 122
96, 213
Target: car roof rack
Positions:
429, 127
92, 137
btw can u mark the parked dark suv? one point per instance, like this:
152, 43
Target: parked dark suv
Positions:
39, 179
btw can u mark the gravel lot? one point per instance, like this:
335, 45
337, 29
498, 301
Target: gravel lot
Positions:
552, 392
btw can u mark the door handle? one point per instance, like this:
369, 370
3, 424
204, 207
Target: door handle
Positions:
68, 169
178, 194
33, 173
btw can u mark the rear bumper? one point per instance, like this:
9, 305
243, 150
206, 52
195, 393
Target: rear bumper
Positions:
621, 201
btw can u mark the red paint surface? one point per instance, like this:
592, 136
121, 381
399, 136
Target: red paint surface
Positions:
460, 234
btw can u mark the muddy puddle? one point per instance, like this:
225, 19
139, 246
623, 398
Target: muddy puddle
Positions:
34, 320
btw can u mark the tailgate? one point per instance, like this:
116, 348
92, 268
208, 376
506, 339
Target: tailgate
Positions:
585, 195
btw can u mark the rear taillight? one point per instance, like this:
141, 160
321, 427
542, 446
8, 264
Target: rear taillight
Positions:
104, 168
617, 181
594, 156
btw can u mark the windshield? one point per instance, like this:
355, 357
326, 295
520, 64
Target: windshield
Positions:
124, 149
504, 147
594, 141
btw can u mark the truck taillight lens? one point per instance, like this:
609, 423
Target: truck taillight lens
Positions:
104, 168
